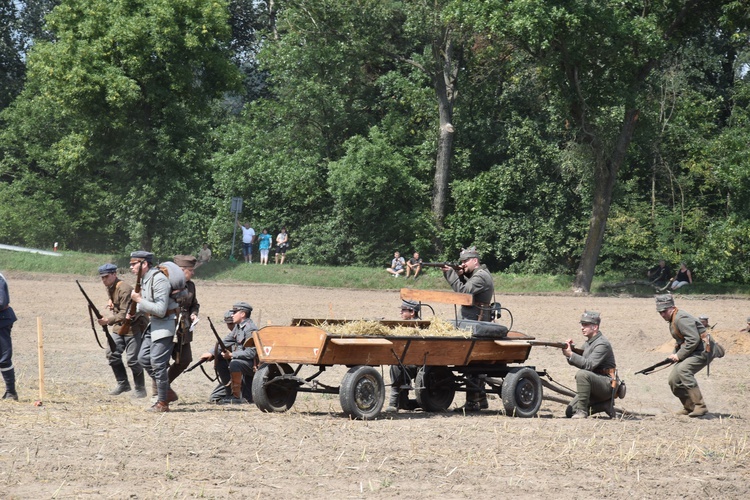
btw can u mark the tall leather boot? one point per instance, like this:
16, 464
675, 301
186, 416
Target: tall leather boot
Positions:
699, 407
140, 384
687, 404
122, 380
236, 386
392, 401
9, 376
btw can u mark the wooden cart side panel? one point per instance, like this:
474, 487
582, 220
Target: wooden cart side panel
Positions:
500, 351
363, 351
438, 352
461, 299
290, 344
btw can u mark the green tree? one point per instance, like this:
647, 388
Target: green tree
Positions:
598, 56
124, 93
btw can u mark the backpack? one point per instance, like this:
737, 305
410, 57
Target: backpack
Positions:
176, 278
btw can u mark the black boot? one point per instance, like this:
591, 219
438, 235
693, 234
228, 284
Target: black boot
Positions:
140, 384
393, 401
9, 375
122, 380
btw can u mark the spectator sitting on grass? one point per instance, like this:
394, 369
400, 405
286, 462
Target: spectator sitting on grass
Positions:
397, 265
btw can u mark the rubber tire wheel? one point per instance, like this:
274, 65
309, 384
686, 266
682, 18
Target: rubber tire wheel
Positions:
273, 397
522, 393
434, 388
362, 393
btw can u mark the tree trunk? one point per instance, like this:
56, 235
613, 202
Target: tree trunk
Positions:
605, 176
444, 81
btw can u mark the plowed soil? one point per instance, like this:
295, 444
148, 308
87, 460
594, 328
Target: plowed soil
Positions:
82, 443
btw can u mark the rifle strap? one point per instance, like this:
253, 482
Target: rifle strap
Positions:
93, 327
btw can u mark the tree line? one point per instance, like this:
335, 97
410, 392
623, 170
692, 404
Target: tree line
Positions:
557, 136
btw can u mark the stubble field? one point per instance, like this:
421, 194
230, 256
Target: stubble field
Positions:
83, 443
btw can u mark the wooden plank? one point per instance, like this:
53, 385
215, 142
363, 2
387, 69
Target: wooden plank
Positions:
428, 296
390, 323
289, 344
361, 341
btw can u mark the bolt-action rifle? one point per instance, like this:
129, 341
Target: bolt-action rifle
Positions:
93, 311
218, 337
455, 265
125, 328
650, 369
559, 345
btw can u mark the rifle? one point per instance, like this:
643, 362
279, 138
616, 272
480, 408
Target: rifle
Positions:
195, 365
218, 338
650, 369
559, 345
125, 328
455, 265
94, 311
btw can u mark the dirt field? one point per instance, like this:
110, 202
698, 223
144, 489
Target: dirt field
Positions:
83, 443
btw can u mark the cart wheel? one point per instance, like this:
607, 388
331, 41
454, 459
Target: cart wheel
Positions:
522, 393
434, 388
362, 392
272, 395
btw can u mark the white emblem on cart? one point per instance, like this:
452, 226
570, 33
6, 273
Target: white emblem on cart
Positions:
315, 351
267, 350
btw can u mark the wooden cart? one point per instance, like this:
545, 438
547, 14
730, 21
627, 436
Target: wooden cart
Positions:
446, 365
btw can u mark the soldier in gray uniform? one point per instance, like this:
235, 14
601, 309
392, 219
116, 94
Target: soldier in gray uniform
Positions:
7, 318
119, 302
235, 367
155, 301
189, 309
594, 380
474, 278
689, 356
403, 375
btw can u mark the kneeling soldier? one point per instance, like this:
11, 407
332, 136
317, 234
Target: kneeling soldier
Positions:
594, 380
235, 367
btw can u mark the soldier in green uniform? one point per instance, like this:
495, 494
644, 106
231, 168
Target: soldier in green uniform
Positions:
689, 356
130, 344
597, 368
474, 278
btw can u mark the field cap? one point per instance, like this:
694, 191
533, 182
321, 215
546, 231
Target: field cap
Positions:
664, 302
748, 319
228, 317
185, 261
142, 255
107, 269
242, 306
468, 253
590, 318
703, 316
412, 306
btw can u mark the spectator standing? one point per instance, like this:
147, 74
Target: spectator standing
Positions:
282, 244
682, 278
248, 238
397, 265
414, 265
264, 244
7, 318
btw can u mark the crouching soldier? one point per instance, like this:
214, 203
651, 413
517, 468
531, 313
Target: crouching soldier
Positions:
594, 380
235, 366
